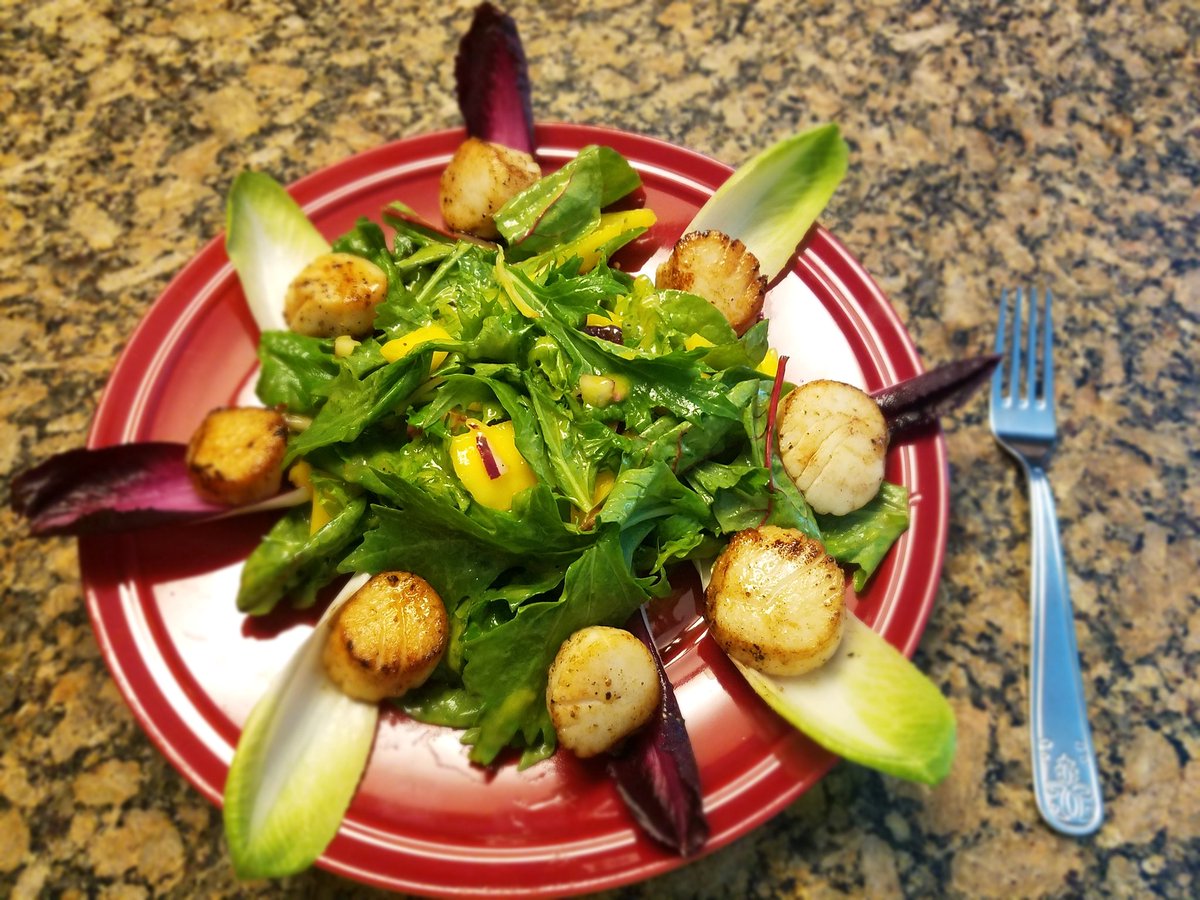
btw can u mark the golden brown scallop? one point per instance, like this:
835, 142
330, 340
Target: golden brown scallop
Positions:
236, 456
387, 638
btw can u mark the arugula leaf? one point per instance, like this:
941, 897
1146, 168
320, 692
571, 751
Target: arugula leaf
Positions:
380, 455
660, 321
442, 703
423, 539
457, 552
299, 371
354, 404
652, 492
575, 447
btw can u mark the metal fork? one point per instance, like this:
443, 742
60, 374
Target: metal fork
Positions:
1065, 781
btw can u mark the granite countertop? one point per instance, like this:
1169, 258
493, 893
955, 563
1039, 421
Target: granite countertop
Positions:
993, 144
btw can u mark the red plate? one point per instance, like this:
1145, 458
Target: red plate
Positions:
424, 820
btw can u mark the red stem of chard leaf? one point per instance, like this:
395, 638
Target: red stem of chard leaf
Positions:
918, 402
768, 459
772, 411
492, 80
656, 773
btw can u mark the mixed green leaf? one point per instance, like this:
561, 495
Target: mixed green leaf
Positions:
661, 471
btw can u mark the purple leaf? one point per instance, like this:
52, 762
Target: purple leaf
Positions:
656, 773
920, 401
493, 81
119, 488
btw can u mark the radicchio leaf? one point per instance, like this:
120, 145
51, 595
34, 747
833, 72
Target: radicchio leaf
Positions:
119, 488
656, 773
493, 81
920, 401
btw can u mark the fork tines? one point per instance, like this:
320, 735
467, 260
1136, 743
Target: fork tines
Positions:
1032, 382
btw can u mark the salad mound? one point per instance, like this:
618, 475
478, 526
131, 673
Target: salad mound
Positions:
537, 434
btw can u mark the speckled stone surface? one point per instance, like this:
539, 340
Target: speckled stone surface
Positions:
993, 144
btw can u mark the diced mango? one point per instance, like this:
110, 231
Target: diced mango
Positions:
769, 365
605, 480
400, 347
512, 473
301, 476
693, 341
611, 225
320, 517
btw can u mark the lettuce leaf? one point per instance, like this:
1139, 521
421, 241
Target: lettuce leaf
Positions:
507, 665
565, 205
292, 562
862, 538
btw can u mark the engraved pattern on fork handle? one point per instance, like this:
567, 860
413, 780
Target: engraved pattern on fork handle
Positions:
1065, 779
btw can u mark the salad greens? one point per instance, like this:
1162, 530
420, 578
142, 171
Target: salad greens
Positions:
660, 468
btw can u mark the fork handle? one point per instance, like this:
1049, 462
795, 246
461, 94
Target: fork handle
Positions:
1065, 780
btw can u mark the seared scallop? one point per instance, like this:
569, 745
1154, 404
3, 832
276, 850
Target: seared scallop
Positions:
720, 269
335, 294
832, 441
776, 601
387, 638
603, 686
236, 456
481, 178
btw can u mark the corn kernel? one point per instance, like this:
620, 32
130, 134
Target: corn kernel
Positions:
343, 345
514, 473
400, 347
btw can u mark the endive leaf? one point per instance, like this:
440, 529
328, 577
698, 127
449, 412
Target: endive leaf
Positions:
868, 704
269, 240
297, 764
770, 202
